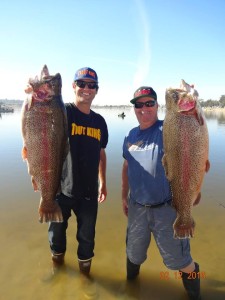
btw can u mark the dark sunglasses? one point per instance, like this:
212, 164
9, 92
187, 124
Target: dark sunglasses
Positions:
149, 103
82, 84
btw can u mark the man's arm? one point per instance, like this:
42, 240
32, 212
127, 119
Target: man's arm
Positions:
125, 187
102, 177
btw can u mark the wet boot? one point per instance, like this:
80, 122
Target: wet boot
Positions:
88, 284
57, 267
132, 270
85, 266
192, 283
58, 260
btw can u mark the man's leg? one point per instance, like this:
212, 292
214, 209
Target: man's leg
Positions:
132, 270
86, 213
57, 232
176, 252
138, 238
191, 282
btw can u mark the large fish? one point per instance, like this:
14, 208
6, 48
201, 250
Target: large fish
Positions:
45, 141
185, 138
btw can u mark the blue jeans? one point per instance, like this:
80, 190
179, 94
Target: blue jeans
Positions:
85, 210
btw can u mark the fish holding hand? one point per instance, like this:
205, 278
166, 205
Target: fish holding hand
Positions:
185, 160
45, 140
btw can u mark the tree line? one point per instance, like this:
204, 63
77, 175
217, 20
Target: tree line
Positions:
213, 103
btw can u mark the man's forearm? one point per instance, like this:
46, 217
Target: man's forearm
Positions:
125, 184
102, 167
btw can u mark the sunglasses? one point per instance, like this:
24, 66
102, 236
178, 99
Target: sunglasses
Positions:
149, 103
82, 84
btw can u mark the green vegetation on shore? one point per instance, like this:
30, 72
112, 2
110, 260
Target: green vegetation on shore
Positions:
213, 103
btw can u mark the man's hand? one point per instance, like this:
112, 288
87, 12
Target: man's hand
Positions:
102, 193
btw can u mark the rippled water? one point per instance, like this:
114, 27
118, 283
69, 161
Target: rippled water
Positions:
25, 266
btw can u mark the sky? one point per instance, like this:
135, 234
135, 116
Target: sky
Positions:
129, 43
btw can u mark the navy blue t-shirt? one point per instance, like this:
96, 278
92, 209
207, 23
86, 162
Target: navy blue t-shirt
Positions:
88, 134
143, 150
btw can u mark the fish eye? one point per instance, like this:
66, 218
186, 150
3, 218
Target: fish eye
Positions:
175, 96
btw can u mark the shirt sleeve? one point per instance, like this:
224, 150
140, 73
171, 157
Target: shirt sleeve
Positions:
125, 148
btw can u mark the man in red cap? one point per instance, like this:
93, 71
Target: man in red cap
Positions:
146, 197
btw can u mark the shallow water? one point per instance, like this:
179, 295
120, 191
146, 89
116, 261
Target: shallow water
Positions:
25, 265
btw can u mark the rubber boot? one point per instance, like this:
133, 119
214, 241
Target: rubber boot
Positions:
58, 259
132, 270
191, 282
85, 266
88, 285
57, 267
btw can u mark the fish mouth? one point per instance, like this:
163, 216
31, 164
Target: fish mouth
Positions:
43, 93
186, 105
42, 96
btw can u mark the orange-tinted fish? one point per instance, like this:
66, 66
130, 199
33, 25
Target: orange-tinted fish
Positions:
45, 141
185, 138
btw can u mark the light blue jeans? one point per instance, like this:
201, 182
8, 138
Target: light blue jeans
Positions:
145, 221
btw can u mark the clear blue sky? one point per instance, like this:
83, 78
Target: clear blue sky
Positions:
128, 42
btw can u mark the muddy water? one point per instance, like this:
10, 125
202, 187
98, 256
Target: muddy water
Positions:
25, 265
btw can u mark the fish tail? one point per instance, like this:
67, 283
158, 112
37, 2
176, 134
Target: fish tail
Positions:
183, 229
50, 213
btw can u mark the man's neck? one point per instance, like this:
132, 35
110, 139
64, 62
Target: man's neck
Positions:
83, 107
148, 124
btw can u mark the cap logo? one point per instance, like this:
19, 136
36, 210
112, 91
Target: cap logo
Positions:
86, 72
142, 92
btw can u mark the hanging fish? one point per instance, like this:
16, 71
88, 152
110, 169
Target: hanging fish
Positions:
45, 141
186, 143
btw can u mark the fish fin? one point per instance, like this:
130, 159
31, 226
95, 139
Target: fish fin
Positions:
66, 149
199, 118
164, 163
28, 103
168, 173
28, 89
24, 153
50, 213
34, 184
207, 166
183, 230
59, 189
197, 200
173, 205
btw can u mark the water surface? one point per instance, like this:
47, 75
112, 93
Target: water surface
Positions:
25, 256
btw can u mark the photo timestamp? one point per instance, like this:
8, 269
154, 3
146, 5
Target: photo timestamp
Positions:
178, 275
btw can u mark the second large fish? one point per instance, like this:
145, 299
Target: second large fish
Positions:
185, 138
45, 142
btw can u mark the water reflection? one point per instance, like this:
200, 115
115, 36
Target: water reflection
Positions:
25, 254
218, 115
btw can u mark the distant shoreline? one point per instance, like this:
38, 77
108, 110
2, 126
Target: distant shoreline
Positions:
214, 108
19, 103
